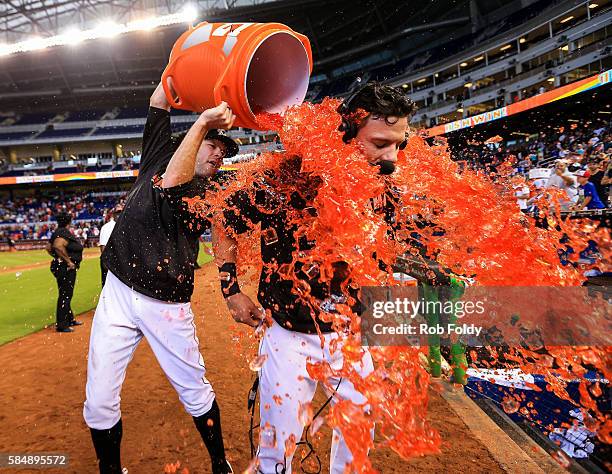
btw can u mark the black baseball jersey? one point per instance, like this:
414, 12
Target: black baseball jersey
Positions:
154, 245
281, 206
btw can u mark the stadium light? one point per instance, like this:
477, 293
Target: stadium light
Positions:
467, 84
522, 40
460, 109
564, 48
593, 5
190, 13
565, 20
73, 36
420, 81
35, 43
551, 79
504, 48
146, 24
405, 86
463, 64
107, 29
479, 58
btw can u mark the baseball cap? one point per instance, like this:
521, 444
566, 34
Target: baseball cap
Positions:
231, 147
583, 173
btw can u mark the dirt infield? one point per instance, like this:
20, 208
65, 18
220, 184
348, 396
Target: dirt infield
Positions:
42, 381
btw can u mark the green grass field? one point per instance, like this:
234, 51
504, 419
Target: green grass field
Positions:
29, 296
14, 259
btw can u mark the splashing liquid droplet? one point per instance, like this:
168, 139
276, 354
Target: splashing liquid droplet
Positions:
561, 459
253, 467
510, 405
290, 445
311, 270
316, 425
305, 414
267, 437
257, 363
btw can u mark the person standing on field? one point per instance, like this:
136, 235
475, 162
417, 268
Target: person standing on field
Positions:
150, 258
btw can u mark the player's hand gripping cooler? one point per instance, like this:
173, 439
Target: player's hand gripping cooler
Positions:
254, 67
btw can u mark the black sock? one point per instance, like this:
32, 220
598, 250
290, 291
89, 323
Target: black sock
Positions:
209, 426
108, 448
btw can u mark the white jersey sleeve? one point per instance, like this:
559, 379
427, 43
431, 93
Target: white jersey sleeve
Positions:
105, 232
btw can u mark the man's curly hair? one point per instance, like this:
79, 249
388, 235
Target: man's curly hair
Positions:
383, 101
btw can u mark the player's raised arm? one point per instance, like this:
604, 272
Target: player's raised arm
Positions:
158, 99
181, 168
157, 134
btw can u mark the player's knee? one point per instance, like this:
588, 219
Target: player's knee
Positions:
101, 410
197, 403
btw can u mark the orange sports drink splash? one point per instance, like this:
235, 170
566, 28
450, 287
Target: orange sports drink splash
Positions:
486, 236
254, 67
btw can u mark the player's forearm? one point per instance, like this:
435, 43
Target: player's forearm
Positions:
224, 246
158, 98
181, 168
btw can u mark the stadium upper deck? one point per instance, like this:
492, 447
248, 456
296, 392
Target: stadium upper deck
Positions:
89, 101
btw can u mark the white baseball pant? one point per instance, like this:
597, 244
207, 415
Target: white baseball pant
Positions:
284, 375
123, 316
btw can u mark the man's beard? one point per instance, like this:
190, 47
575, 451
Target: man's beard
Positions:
385, 167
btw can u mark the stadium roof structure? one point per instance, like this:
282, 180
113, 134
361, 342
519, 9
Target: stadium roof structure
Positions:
124, 69
22, 18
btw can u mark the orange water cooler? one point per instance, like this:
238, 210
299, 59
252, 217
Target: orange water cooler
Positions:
254, 67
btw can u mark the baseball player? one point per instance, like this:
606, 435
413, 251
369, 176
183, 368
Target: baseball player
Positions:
105, 233
150, 259
293, 339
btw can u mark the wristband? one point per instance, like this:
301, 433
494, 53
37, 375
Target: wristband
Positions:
229, 282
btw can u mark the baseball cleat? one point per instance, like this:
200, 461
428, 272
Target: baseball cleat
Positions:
64, 330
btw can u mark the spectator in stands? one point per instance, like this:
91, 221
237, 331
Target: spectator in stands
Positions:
67, 253
85, 235
523, 166
564, 180
105, 233
588, 194
597, 174
521, 192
